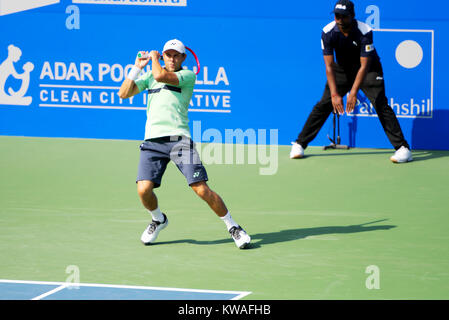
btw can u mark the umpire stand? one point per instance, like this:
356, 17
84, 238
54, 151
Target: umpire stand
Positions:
336, 139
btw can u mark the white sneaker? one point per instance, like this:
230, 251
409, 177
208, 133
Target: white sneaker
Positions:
297, 151
153, 229
241, 238
401, 155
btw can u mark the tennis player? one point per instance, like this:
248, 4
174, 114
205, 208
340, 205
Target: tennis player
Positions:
167, 137
356, 66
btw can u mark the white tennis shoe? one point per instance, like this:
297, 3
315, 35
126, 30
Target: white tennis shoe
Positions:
401, 155
297, 151
151, 232
241, 238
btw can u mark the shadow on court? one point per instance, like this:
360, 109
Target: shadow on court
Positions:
296, 234
418, 155
332, 153
428, 154
260, 239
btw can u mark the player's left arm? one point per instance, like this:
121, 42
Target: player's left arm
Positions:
159, 73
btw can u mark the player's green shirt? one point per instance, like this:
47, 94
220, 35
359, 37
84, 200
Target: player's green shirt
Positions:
168, 105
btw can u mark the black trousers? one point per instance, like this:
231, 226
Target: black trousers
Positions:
374, 88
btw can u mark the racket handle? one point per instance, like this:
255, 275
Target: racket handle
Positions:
143, 55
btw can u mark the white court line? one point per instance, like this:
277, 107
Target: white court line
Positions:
240, 294
46, 294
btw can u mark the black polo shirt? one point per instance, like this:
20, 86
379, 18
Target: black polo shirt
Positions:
348, 50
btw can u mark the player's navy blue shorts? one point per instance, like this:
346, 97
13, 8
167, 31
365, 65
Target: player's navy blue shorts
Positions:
156, 153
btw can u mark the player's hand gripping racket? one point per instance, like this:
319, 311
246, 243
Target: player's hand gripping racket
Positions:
143, 54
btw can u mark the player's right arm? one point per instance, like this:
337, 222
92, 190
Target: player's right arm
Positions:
129, 88
337, 100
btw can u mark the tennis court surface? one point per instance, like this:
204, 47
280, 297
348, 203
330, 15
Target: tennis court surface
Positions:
34, 290
338, 224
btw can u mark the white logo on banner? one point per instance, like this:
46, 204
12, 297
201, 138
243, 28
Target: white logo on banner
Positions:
6, 70
409, 54
81, 85
12, 6
168, 3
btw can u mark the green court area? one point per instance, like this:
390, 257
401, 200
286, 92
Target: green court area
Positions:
338, 224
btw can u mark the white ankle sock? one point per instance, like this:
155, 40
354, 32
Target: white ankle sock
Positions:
227, 219
156, 214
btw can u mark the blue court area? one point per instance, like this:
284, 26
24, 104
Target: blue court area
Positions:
33, 290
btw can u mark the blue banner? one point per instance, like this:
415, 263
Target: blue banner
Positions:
62, 63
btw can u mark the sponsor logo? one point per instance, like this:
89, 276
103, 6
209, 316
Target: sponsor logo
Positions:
95, 86
13, 6
8, 95
340, 6
412, 108
369, 47
168, 3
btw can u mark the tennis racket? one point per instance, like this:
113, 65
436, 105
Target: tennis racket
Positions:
196, 59
142, 54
